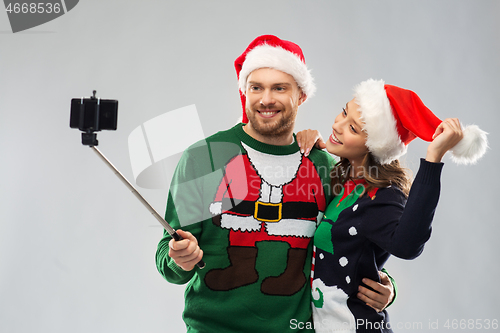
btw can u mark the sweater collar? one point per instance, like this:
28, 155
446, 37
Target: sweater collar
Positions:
264, 147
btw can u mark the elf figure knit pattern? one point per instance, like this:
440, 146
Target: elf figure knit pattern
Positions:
253, 208
357, 235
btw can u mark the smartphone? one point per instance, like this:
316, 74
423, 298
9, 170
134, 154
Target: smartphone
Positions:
93, 114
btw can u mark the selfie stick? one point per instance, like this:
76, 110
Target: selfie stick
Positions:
170, 230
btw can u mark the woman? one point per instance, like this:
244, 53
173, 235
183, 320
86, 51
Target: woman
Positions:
368, 219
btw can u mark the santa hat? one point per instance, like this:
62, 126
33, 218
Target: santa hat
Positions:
393, 117
269, 51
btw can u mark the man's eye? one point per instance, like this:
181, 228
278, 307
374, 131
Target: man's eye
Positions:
280, 89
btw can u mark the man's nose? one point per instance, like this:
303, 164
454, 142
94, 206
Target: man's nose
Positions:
267, 98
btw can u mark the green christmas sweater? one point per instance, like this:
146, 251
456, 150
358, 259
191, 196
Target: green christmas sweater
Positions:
253, 208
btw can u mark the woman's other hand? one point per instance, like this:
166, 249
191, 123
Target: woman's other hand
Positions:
447, 135
309, 138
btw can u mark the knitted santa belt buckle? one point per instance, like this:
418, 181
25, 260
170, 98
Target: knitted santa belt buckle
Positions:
271, 212
268, 212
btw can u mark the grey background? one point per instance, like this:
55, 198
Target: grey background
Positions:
77, 249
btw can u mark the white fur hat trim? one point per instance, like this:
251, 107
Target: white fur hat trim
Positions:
376, 112
267, 56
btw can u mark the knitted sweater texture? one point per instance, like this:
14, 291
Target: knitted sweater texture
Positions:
253, 208
355, 238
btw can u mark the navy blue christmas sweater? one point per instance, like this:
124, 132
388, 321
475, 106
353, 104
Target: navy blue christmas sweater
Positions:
355, 238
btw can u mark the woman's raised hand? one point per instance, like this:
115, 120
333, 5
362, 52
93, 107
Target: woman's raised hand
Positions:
309, 138
447, 135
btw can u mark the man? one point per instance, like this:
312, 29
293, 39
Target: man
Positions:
248, 202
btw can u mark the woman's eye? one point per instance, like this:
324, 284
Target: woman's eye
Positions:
353, 129
344, 112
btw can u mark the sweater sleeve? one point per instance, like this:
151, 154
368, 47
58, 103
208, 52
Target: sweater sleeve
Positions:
183, 212
400, 229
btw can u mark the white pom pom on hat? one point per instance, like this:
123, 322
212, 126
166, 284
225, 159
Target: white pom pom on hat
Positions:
268, 51
394, 116
472, 147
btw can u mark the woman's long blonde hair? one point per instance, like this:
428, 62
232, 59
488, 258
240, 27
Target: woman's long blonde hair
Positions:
375, 174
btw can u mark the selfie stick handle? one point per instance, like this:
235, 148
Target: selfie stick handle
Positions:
170, 230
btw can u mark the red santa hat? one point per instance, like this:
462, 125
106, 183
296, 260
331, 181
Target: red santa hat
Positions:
393, 117
269, 51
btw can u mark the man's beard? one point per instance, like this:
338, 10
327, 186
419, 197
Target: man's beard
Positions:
274, 128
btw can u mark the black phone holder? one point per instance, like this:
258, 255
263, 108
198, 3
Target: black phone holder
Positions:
91, 115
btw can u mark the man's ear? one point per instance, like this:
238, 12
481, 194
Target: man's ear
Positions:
302, 97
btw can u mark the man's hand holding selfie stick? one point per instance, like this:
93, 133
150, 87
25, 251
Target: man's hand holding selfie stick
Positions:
91, 115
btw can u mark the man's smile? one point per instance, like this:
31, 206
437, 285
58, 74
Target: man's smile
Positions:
268, 113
